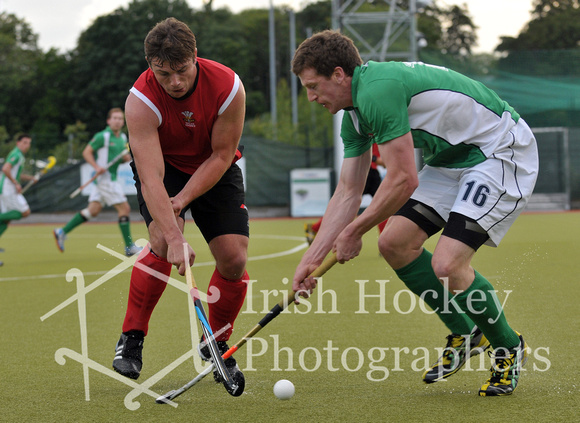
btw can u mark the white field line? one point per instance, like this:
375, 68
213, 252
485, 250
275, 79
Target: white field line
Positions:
283, 253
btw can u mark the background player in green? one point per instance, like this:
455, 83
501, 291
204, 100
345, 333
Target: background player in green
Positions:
13, 205
104, 147
481, 167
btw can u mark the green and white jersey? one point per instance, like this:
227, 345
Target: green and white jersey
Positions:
107, 146
456, 121
16, 160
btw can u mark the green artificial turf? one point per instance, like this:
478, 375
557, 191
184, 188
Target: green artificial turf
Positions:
335, 349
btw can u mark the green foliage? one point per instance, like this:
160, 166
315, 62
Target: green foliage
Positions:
314, 127
448, 30
18, 69
555, 25
43, 92
109, 56
3, 134
77, 137
5, 144
549, 48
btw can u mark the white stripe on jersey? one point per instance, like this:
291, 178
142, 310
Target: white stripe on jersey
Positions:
457, 118
148, 102
233, 93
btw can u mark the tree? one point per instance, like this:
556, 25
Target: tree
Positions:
109, 56
18, 69
448, 30
548, 49
555, 24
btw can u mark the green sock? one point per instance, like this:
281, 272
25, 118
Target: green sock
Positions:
74, 222
10, 215
420, 277
125, 227
481, 304
3, 226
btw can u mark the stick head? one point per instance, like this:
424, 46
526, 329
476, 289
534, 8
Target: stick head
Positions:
51, 162
236, 388
164, 399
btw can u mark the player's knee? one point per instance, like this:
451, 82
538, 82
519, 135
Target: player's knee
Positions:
123, 209
390, 248
234, 266
86, 213
446, 268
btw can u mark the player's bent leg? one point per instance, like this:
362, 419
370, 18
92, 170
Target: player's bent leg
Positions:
231, 254
465, 340
94, 208
148, 282
451, 263
228, 285
401, 241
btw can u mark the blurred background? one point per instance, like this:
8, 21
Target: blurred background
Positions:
61, 98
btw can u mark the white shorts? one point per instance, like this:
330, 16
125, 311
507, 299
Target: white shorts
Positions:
9, 202
107, 192
493, 193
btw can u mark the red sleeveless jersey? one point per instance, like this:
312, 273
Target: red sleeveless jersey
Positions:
185, 125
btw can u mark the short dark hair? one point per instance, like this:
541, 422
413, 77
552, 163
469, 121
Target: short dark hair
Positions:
324, 52
22, 135
170, 41
114, 110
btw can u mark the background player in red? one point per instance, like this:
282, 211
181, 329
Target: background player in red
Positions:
185, 117
371, 186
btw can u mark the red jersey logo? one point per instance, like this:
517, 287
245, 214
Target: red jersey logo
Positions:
188, 119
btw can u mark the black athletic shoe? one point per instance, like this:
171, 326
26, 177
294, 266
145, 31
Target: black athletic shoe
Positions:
505, 370
458, 350
230, 362
128, 354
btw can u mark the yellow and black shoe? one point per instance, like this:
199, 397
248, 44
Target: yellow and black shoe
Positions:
505, 370
458, 350
309, 232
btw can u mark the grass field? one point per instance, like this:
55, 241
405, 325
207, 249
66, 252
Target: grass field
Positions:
330, 350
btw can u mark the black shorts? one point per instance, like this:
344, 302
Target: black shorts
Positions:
373, 182
219, 211
458, 226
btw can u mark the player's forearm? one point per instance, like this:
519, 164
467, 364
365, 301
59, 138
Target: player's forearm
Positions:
389, 198
9, 176
89, 156
161, 210
7, 171
205, 177
26, 177
340, 212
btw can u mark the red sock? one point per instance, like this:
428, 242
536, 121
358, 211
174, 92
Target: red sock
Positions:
145, 290
316, 226
224, 311
382, 225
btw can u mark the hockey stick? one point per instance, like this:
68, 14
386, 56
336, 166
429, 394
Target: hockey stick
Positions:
49, 165
95, 176
231, 386
274, 312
